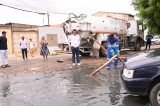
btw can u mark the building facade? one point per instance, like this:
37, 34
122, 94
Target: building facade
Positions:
16, 31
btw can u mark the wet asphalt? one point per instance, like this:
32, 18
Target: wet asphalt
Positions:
68, 87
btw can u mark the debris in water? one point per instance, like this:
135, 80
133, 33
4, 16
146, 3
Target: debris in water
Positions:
60, 60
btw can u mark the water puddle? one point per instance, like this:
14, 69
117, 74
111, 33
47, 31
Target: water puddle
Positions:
68, 87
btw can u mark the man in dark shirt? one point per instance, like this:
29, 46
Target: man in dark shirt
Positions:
3, 51
148, 39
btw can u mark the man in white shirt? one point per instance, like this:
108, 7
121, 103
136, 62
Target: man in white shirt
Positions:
23, 45
74, 43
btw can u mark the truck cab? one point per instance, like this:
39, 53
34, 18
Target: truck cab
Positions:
134, 39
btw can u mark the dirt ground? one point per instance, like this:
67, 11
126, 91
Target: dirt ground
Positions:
36, 64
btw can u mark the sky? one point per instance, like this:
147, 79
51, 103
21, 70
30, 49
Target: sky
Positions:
56, 7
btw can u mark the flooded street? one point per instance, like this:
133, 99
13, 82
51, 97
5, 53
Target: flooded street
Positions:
79, 53
70, 86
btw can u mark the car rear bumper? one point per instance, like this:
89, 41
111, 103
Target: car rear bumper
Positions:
137, 86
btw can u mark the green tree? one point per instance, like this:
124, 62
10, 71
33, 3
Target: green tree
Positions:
149, 13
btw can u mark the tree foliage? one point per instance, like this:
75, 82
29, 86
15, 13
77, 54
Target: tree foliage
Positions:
149, 13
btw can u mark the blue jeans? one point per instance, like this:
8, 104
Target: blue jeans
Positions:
75, 52
111, 51
24, 53
3, 57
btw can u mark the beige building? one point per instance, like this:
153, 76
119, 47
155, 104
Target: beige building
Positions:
16, 31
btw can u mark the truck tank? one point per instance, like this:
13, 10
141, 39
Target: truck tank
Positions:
100, 27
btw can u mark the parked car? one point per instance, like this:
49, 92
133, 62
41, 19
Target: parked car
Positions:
155, 40
141, 75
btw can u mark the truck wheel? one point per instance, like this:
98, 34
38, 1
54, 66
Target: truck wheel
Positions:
155, 95
138, 46
85, 54
102, 53
120, 46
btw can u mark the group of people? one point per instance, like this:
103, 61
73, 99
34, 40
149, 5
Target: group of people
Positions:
44, 51
4, 50
23, 45
73, 42
112, 44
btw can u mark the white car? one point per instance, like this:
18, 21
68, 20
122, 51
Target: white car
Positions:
155, 40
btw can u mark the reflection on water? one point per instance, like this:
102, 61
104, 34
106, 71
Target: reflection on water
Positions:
4, 85
70, 87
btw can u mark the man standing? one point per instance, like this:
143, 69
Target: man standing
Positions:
23, 45
112, 49
148, 39
31, 47
3, 51
74, 42
116, 49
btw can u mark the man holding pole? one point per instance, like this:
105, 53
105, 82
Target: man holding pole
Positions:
113, 49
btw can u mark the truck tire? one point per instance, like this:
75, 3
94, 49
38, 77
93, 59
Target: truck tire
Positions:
155, 95
85, 54
102, 53
138, 46
120, 46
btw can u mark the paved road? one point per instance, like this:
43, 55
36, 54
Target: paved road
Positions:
36, 83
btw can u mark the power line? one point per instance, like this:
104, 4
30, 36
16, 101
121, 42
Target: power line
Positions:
22, 9
41, 13
25, 4
25, 10
33, 8
51, 12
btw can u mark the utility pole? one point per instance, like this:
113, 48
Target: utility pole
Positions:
48, 19
43, 15
43, 21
